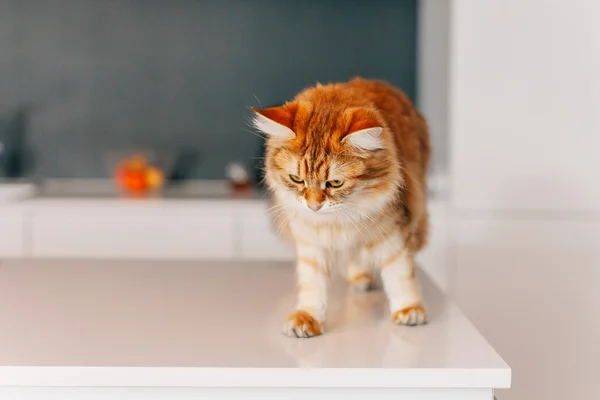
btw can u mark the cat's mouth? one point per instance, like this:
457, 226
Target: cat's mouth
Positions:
321, 208
333, 213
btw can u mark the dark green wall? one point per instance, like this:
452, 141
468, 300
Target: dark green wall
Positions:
102, 74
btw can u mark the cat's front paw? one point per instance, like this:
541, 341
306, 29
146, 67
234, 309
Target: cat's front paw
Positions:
301, 324
412, 315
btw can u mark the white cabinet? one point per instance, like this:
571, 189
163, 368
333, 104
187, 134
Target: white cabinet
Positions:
129, 232
203, 229
12, 233
531, 287
524, 98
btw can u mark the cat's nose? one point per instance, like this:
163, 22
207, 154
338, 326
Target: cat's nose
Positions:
313, 205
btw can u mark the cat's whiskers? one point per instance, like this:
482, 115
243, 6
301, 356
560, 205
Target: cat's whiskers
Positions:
367, 216
255, 134
275, 207
356, 208
277, 214
258, 101
349, 219
286, 221
383, 214
379, 235
274, 210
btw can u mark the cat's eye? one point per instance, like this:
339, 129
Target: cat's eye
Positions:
296, 179
335, 183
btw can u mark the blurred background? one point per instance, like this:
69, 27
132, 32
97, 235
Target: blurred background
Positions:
92, 91
89, 76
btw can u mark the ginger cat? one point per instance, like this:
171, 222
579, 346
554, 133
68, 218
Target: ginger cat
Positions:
347, 164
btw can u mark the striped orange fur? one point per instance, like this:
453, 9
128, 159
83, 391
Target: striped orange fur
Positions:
309, 261
392, 258
347, 165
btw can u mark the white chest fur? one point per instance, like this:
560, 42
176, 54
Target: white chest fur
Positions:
341, 236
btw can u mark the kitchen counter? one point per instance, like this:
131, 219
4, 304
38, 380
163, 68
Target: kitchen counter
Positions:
15, 191
182, 330
103, 193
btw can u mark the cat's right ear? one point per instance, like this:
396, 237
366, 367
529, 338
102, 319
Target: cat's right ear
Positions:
276, 122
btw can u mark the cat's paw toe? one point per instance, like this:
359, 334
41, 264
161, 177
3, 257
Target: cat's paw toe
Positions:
413, 315
362, 282
301, 324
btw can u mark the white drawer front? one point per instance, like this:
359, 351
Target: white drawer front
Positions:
112, 234
11, 233
259, 240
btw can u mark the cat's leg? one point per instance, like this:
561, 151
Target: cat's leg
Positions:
360, 275
399, 280
313, 283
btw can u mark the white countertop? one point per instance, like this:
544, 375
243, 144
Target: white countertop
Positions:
208, 324
93, 193
15, 191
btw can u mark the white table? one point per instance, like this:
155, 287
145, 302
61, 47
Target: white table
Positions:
161, 330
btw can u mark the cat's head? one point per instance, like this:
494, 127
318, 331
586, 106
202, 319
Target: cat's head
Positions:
328, 162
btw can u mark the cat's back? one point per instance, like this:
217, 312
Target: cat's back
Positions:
411, 137
402, 117
384, 95
392, 103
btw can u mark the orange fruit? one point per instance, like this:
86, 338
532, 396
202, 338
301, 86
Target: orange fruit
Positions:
154, 177
136, 181
136, 162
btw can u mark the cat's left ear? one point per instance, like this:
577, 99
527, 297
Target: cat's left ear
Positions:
276, 121
364, 133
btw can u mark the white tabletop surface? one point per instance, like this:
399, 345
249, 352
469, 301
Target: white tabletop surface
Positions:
92, 323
